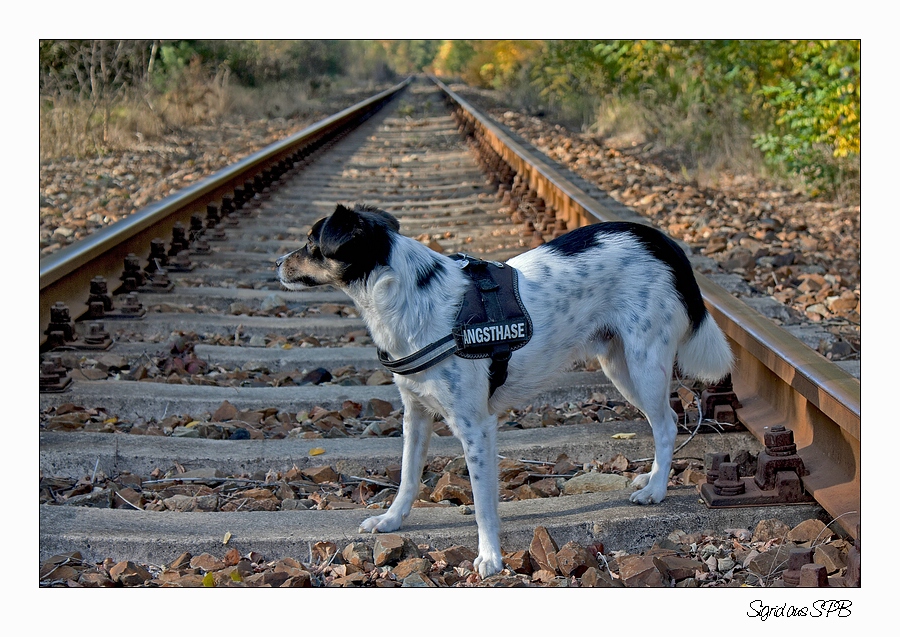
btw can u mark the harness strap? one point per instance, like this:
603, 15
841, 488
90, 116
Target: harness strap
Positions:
501, 352
421, 360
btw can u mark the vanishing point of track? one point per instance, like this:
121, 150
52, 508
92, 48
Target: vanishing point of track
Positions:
461, 183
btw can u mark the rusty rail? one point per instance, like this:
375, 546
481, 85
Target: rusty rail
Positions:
63, 277
779, 380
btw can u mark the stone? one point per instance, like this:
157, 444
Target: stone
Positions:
831, 557
321, 474
377, 408
224, 413
574, 559
380, 377
316, 377
770, 564
273, 302
207, 562
411, 565
518, 562
543, 550
453, 487
388, 548
678, 568
357, 554
418, 580
128, 573
639, 571
594, 482
454, 555
596, 578
771, 529
811, 530
546, 487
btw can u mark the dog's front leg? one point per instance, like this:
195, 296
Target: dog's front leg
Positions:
416, 435
479, 441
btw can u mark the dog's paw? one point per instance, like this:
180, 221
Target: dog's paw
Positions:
650, 494
488, 565
381, 523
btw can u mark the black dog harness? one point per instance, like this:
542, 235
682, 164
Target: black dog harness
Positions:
491, 323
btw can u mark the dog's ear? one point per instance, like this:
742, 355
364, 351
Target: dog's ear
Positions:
343, 225
379, 216
390, 219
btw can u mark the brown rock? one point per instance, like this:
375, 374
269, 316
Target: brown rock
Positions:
380, 377
207, 562
128, 573
453, 487
411, 565
454, 555
809, 531
388, 548
597, 578
321, 474
225, 412
376, 408
546, 488
232, 557
829, 556
526, 492
639, 571
518, 562
678, 568
594, 482
574, 559
543, 551
95, 580
357, 554
418, 580
771, 529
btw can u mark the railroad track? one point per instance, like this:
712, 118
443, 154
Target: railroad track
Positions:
233, 356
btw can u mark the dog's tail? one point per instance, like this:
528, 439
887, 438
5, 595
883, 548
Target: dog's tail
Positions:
705, 355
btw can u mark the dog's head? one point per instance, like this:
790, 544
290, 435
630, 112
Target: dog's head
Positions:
340, 249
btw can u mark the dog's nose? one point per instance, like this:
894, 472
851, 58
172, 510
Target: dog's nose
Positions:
279, 261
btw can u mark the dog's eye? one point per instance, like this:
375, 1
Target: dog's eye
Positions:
312, 248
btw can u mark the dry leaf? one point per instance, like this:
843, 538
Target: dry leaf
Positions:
623, 436
227, 537
316, 451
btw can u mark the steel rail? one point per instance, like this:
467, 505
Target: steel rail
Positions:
778, 379
64, 276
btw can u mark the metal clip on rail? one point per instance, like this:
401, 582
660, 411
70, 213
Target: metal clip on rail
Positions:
777, 479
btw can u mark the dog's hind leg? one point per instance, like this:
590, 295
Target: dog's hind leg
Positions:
643, 375
417, 431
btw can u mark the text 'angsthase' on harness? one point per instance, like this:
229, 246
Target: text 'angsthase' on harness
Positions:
491, 323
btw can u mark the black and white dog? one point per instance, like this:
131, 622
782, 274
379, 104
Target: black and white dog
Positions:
620, 291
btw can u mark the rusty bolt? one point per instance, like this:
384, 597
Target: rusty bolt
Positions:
60, 329
716, 460
130, 304
157, 259
227, 205
99, 301
179, 240
813, 576
96, 335
729, 481
212, 215
779, 441
797, 559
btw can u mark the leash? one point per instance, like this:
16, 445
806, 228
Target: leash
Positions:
492, 322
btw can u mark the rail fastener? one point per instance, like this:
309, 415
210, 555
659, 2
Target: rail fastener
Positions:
777, 480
